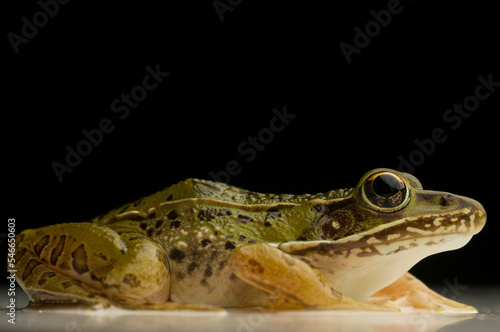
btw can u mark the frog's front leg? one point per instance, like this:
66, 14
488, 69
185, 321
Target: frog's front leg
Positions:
290, 279
95, 265
408, 293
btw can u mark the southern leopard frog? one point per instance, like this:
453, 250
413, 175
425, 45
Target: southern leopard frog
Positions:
199, 244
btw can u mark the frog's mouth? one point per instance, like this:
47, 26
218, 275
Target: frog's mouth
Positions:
361, 264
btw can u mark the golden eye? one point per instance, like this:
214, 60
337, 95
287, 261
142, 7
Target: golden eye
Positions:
386, 191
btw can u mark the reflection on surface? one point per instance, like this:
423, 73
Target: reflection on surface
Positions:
72, 319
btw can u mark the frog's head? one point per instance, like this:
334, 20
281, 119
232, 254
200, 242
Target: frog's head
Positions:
388, 224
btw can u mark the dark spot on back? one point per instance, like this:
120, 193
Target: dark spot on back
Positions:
267, 224
177, 255
252, 241
132, 238
150, 232
180, 275
79, 256
169, 198
172, 215
207, 214
229, 245
273, 213
205, 242
137, 203
175, 224
38, 247
224, 212
143, 226
41, 281
242, 238
57, 251
243, 219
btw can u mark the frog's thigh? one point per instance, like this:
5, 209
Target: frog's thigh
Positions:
44, 285
409, 293
288, 278
115, 263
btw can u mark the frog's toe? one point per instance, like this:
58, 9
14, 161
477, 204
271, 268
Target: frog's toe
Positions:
410, 294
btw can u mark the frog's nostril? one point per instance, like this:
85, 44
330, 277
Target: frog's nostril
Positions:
447, 199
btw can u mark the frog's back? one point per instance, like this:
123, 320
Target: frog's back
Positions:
197, 188
204, 191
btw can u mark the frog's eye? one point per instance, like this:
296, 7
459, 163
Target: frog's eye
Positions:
386, 192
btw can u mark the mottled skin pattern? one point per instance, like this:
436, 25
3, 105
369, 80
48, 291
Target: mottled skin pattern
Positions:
200, 222
200, 242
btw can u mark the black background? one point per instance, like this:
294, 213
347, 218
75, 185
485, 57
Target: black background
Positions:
226, 76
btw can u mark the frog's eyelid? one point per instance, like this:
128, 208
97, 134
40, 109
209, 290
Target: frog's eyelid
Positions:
413, 181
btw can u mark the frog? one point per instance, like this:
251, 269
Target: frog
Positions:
203, 245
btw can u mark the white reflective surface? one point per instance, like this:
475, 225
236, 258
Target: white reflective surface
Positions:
486, 300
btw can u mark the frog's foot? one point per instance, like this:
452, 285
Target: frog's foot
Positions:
95, 265
295, 283
410, 294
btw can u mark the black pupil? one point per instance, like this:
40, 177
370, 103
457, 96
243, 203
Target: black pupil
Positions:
386, 185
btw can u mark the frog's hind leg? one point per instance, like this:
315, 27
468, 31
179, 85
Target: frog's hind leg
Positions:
292, 281
43, 284
95, 265
408, 293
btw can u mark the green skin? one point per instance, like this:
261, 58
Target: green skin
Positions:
187, 243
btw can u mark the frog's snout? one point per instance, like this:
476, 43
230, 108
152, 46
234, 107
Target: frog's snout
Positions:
452, 213
477, 216
472, 215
